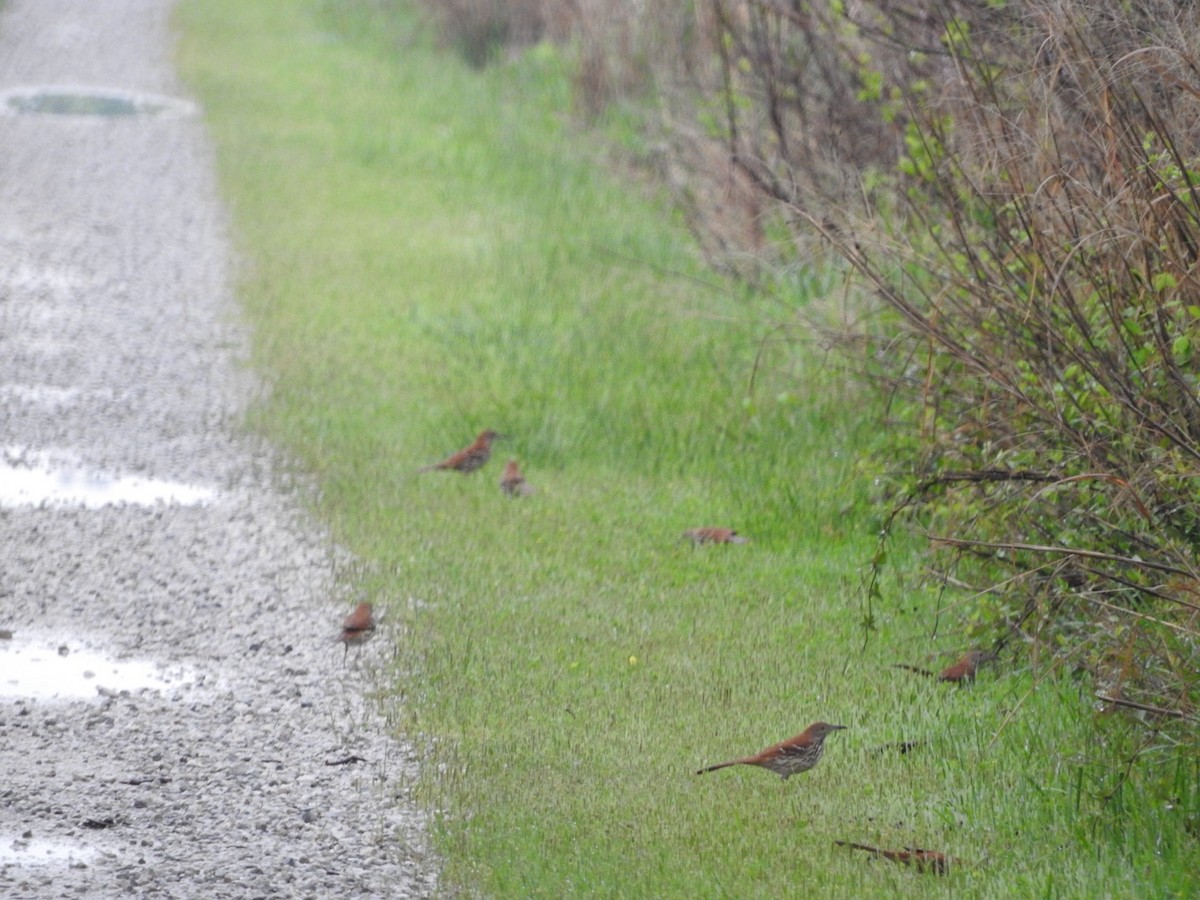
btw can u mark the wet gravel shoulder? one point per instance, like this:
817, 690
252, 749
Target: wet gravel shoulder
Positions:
253, 766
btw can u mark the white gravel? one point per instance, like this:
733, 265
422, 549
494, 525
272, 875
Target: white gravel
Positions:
120, 383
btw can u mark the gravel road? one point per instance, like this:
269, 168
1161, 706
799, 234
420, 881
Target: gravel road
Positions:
171, 697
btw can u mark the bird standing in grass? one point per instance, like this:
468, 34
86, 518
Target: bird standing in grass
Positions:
469, 458
922, 860
960, 672
714, 536
357, 627
513, 483
791, 757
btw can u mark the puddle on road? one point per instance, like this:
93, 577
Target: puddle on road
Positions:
46, 395
59, 281
63, 104
22, 851
34, 478
41, 668
109, 103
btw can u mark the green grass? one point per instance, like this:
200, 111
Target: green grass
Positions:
426, 253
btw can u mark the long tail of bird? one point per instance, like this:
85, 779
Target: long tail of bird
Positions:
916, 669
724, 765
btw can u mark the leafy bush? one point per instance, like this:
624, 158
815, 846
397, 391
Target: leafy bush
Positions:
479, 30
1038, 239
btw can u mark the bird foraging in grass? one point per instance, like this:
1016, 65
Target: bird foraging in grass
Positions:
357, 628
469, 458
960, 672
922, 860
700, 536
513, 483
791, 757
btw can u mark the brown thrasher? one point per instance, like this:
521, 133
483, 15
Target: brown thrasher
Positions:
469, 458
960, 672
513, 483
923, 860
714, 536
357, 627
791, 757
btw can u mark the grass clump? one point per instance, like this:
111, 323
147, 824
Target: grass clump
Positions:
426, 254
